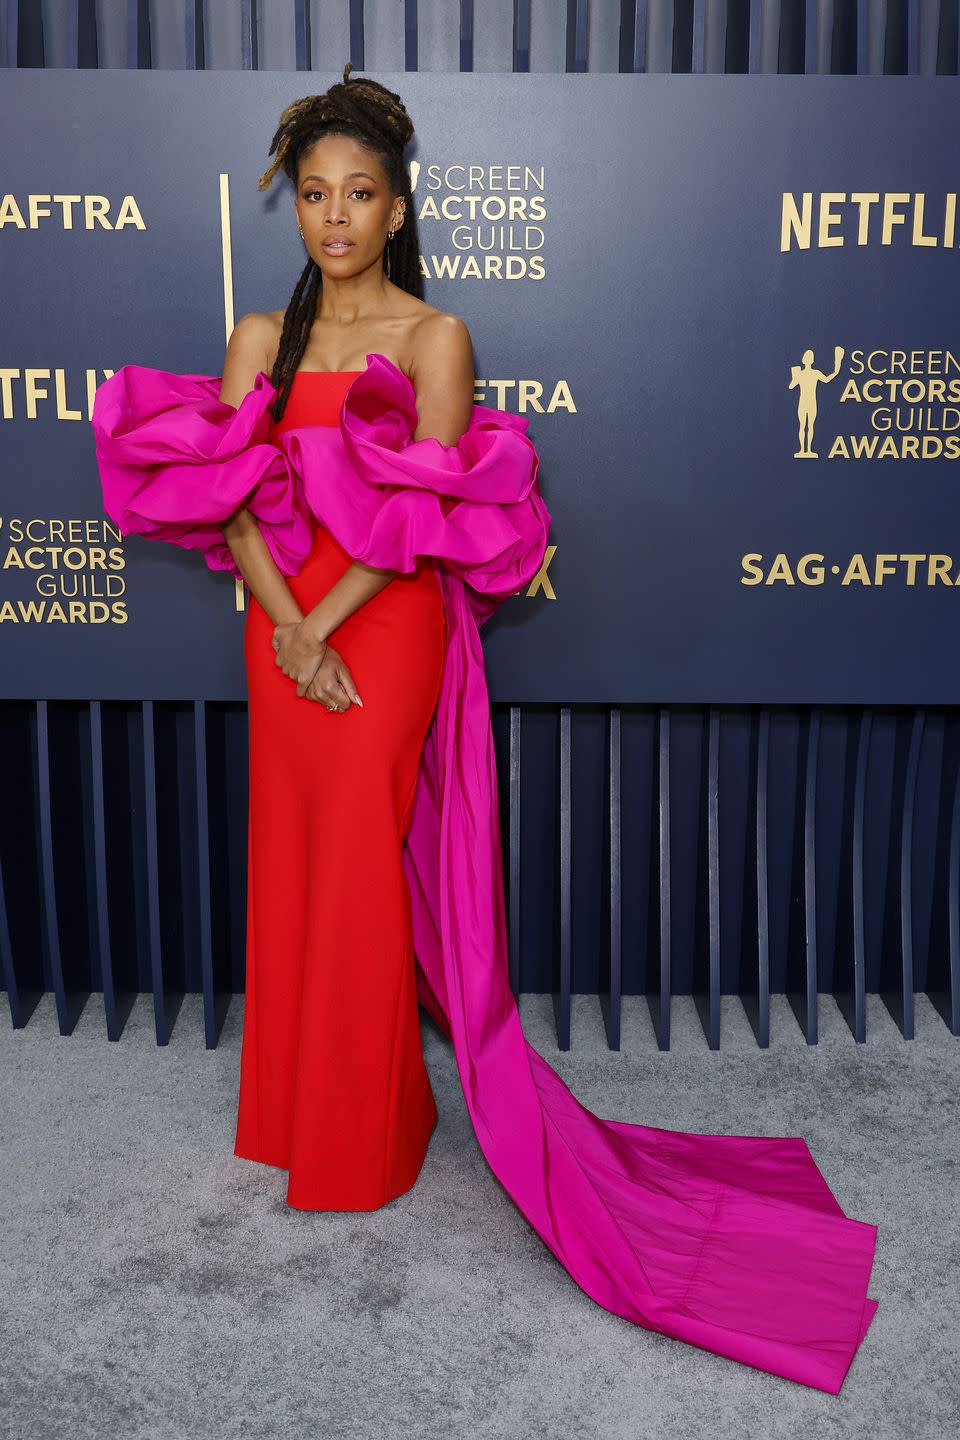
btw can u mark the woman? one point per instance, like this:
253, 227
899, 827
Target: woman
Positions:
379, 518
333, 1085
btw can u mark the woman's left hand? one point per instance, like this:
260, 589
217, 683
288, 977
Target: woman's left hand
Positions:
298, 655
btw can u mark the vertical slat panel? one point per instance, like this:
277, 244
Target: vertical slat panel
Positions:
948, 999
751, 968
19, 1011
931, 36
357, 51
702, 985
943, 965
138, 35
411, 37
636, 61
913, 37
802, 943
513, 846
195, 49
811, 30
826, 21
577, 37
612, 979
69, 1000
894, 38
660, 36
71, 22
11, 34
166, 999
214, 1006
761, 1013
865, 730
561, 994
21, 927
895, 983
811, 775
713, 872
249, 35
658, 965
755, 51
716, 40
849, 982
906, 871
101, 888
698, 44
666, 931
152, 871
521, 36
303, 40
466, 35
863, 37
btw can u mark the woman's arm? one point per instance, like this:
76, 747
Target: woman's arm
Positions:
246, 356
443, 378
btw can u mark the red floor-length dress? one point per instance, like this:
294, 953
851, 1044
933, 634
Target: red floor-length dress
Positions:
333, 1086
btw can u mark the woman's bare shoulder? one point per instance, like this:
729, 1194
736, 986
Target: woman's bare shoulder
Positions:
441, 323
256, 329
441, 344
247, 354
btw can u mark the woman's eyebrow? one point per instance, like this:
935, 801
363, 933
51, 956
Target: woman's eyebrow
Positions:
352, 176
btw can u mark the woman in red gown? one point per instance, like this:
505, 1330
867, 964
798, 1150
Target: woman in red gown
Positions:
357, 677
332, 1081
333, 1086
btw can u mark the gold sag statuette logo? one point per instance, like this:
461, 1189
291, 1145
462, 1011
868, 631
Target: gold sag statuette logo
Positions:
899, 404
804, 378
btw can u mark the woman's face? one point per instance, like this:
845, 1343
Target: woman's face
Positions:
344, 205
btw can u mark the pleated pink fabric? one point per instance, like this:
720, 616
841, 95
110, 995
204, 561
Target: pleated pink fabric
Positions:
734, 1243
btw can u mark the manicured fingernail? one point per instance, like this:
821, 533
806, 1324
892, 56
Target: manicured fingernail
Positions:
359, 701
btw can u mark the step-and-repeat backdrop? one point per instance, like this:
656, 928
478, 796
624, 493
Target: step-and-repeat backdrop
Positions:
726, 305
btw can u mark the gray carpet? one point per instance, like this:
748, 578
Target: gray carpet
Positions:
154, 1285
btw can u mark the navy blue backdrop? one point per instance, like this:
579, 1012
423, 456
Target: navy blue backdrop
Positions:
664, 274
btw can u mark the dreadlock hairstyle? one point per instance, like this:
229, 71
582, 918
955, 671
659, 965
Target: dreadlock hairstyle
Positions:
376, 118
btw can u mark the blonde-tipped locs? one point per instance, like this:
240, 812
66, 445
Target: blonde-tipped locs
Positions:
360, 103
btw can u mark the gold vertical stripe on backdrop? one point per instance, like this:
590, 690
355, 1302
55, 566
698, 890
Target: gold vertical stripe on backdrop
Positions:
226, 251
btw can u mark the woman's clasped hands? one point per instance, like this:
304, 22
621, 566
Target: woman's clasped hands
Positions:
318, 669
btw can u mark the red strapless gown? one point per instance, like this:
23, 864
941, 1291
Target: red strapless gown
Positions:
333, 1086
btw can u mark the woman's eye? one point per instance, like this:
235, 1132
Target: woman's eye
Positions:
365, 193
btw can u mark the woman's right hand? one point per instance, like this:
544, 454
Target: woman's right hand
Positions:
297, 657
333, 685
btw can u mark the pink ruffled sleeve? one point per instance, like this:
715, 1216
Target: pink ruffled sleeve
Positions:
176, 462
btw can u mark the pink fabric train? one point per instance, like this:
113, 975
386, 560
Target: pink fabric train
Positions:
734, 1243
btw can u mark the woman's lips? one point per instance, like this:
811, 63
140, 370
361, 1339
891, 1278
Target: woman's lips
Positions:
337, 247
